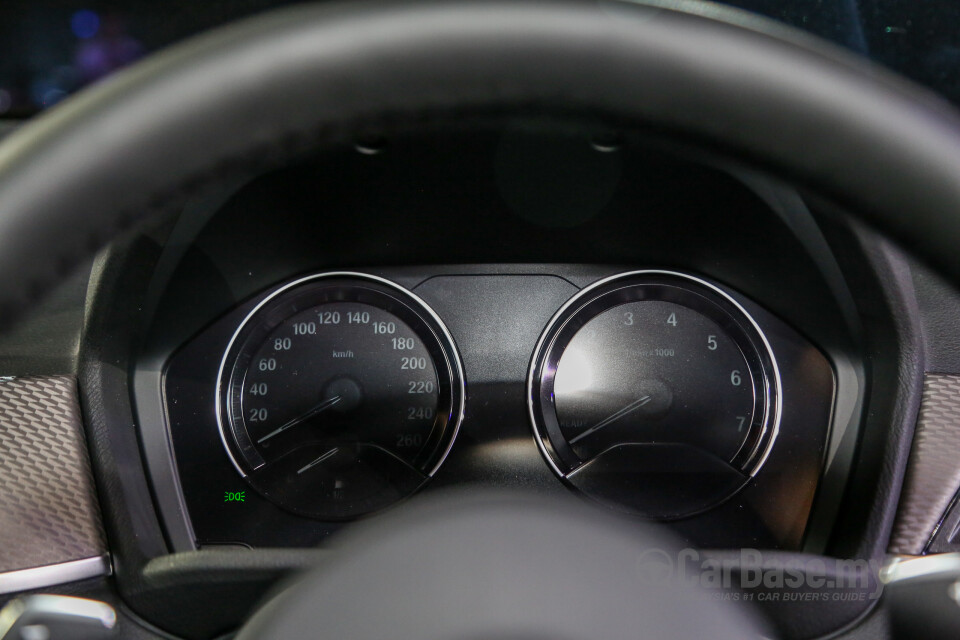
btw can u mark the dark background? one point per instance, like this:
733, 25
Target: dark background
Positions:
50, 48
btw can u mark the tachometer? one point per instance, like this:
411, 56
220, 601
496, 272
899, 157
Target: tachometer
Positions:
340, 394
654, 392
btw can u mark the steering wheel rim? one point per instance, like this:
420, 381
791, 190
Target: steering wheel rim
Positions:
268, 90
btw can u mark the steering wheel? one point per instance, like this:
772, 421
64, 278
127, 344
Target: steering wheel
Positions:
266, 91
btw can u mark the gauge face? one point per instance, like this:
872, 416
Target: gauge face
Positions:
340, 394
653, 371
654, 392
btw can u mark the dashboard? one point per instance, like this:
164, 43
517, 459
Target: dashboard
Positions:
383, 324
562, 309
681, 348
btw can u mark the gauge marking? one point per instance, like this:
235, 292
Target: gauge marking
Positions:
721, 393
630, 408
314, 411
358, 330
325, 456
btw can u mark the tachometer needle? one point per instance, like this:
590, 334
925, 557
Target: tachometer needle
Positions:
633, 406
328, 454
318, 408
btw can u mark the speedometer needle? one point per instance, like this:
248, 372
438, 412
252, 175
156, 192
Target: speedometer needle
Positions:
311, 465
633, 406
318, 408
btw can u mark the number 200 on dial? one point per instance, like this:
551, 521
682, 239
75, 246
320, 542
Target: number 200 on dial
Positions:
339, 395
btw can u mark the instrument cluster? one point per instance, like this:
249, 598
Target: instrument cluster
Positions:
656, 393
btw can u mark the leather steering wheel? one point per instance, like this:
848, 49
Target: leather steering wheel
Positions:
265, 91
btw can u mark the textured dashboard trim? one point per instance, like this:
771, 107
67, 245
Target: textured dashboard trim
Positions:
933, 475
49, 513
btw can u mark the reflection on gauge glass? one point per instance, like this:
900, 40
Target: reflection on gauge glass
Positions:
654, 392
340, 394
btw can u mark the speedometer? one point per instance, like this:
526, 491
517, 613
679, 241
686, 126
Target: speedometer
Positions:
340, 394
655, 392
